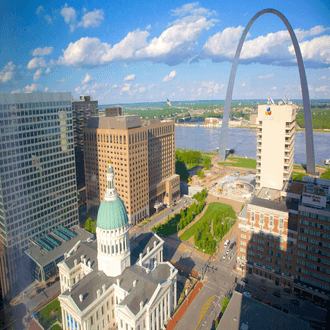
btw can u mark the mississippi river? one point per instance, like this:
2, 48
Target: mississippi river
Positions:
244, 141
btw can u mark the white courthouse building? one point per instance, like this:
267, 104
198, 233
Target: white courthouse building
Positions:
112, 283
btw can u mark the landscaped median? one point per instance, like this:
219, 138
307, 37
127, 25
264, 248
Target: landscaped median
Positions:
181, 220
221, 217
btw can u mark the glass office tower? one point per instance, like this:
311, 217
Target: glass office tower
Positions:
37, 174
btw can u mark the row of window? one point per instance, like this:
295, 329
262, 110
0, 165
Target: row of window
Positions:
314, 275
313, 258
312, 282
271, 219
314, 224
314, 241
314, 216
313, 266
314, 233
30, 105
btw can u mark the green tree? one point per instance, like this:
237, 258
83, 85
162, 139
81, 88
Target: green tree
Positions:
224, 304
207, 162
200, 173
181, 169
88, 225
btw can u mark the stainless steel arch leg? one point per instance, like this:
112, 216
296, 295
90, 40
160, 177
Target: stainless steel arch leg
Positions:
310, 158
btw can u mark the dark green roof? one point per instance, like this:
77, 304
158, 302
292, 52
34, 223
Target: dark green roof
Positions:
112, 215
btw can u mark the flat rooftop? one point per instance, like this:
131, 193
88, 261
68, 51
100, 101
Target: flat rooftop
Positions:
43, 257
246, 313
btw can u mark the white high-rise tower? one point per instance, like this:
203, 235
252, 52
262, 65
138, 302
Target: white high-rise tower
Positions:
275, 145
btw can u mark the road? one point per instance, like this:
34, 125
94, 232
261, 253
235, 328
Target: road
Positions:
218, 282
185, 201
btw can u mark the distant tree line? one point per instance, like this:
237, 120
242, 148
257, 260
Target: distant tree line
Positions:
320, 118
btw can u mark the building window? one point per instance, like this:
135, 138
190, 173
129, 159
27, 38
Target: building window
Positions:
252, 215
281, 222
243, 250
261, 218
271, 220
243, 236
243, 243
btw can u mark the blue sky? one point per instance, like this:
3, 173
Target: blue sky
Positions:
130, 51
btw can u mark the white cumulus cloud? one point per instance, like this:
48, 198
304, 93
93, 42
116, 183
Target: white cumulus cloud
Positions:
48, 70
317, 49
36, 63
69, 14
266, 76
42, 51
274, 48
125, 88
84, 52
325, 89
129, 77
87, 79
37, 74
30, 88
92, 19
7, 72
170, 77
192, 9
142, 89
46, 89
126, 49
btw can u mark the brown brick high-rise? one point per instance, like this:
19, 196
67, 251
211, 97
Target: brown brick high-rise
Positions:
143, 157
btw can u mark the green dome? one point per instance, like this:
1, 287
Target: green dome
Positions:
112, 215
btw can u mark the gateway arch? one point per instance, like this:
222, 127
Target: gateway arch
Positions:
310, 158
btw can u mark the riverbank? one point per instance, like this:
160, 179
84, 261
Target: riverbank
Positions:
244, 141
232, 125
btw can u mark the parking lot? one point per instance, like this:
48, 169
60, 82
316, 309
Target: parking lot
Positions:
275, 296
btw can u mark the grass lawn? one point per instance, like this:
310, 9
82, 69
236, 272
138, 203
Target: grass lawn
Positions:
298, 176
298, 167
212, 209
44, 314
56, 327
240, 162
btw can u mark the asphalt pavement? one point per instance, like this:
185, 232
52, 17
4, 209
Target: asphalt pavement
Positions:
218, 282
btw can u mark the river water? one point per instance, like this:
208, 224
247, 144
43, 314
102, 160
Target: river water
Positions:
244, 141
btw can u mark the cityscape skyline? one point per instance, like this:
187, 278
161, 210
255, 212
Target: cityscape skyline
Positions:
135, 57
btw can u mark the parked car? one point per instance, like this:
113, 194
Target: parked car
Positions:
294, 302
300, 296
245, 280
287, 290
267, 302
256, 297
224, 257
285, 310
248, 294
263, 288
277, 294
232, 245
277, 306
